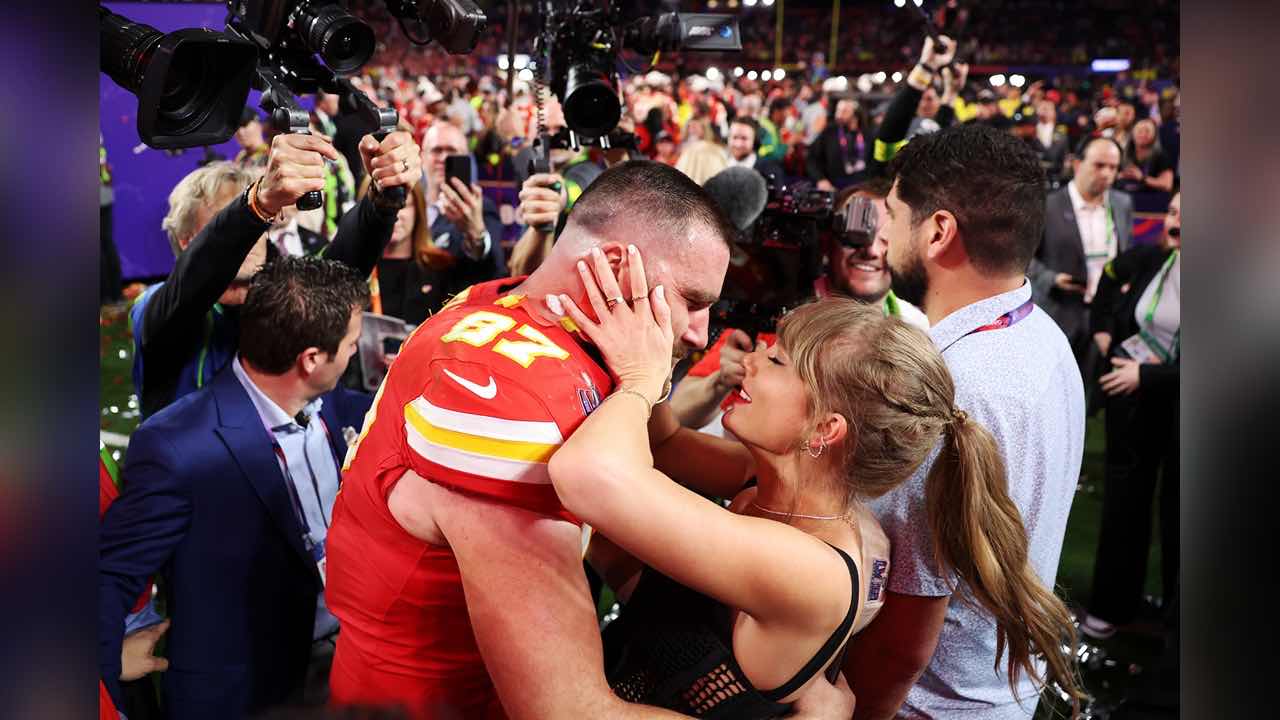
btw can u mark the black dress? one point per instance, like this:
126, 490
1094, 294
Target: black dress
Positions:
672, 647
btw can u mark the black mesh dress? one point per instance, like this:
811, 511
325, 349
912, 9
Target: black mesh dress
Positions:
672, 647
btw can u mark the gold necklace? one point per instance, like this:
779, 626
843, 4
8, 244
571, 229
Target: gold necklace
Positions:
799, 515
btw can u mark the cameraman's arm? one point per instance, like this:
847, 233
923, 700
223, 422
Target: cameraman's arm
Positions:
201, 274
364, 231
897, 119
530, 250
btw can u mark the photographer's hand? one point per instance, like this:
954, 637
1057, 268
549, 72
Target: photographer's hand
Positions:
464, 207
540, 204
295, 166
933, 57
394, 162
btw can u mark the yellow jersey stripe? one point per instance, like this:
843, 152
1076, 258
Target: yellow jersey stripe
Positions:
476, 444
531, 431
486, 467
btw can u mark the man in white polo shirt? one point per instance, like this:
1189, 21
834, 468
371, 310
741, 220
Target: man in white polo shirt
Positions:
963, 219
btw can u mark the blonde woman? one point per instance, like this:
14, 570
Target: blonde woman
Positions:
701, 160
732, 613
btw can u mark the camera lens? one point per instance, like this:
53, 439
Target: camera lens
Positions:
126, 48
591, 105
342, 41
189, 90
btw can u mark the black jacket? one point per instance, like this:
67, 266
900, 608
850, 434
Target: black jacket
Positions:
413, 292
180, 342
1115, 305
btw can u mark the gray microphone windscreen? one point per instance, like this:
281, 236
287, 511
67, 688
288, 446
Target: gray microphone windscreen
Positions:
741, 194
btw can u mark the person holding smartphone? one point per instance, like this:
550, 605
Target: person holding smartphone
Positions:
462, 220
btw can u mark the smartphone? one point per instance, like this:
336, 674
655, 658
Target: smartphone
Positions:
457, 166
391, 345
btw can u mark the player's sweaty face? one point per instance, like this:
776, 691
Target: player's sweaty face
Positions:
693, 285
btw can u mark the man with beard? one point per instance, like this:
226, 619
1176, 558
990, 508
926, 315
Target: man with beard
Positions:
962, 222
857, 272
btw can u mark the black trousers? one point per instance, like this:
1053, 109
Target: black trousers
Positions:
1142, 453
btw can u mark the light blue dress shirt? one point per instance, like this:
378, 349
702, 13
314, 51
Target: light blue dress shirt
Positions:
311, 467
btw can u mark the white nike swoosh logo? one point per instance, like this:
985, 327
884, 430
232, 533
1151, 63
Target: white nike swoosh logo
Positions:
488, 392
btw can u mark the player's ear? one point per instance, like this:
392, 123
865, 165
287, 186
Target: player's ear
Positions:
614, 252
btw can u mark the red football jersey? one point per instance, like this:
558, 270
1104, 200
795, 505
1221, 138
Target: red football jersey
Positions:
478, 399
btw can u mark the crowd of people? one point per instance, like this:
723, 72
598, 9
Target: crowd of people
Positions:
858, 514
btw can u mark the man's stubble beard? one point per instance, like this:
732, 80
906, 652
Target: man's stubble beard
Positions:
909, 283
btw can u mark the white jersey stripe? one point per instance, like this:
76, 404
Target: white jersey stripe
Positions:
547, 433
484, 466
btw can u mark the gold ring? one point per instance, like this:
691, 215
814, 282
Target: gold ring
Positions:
638, 299
404, 166
613, 301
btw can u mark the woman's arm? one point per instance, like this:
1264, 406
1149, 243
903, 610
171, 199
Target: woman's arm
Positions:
1161, 181
773, 572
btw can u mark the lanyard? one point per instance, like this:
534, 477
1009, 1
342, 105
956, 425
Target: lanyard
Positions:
891, 305
1165, 354
1012, 317
294, 500
1111, 234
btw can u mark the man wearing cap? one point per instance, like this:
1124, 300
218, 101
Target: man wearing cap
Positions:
252, 140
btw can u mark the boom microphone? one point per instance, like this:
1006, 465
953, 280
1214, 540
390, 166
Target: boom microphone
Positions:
741, 194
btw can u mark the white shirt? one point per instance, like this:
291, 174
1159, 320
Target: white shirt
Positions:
748, 161
1044, 133
1168, 315
1097, 235
287, 239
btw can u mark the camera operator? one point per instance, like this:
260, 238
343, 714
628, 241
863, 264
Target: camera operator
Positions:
861, 273
541, 203
916, 109
186, 329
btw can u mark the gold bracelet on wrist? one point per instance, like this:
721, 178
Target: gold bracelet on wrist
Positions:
919, 75
648, 405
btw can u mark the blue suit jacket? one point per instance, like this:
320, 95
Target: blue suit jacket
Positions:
205, 506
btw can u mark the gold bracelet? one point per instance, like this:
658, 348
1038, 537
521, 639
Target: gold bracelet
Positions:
920, 75
648, 405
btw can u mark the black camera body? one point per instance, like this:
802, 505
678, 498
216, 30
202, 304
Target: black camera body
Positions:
578, 47
784, 254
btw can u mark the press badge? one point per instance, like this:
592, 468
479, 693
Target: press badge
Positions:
1139, 350
317, 554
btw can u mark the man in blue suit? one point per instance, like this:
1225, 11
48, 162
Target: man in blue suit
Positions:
228, 498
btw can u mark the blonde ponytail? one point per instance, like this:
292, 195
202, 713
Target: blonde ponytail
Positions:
979, 535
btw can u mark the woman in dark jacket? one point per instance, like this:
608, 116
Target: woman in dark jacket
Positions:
409, 281
1136, 320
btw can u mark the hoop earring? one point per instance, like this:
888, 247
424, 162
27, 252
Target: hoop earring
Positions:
821, 448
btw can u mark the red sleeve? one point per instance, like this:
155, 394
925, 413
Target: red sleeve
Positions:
107, 492
483, 432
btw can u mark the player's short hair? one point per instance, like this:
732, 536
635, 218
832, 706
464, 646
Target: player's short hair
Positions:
664, 200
